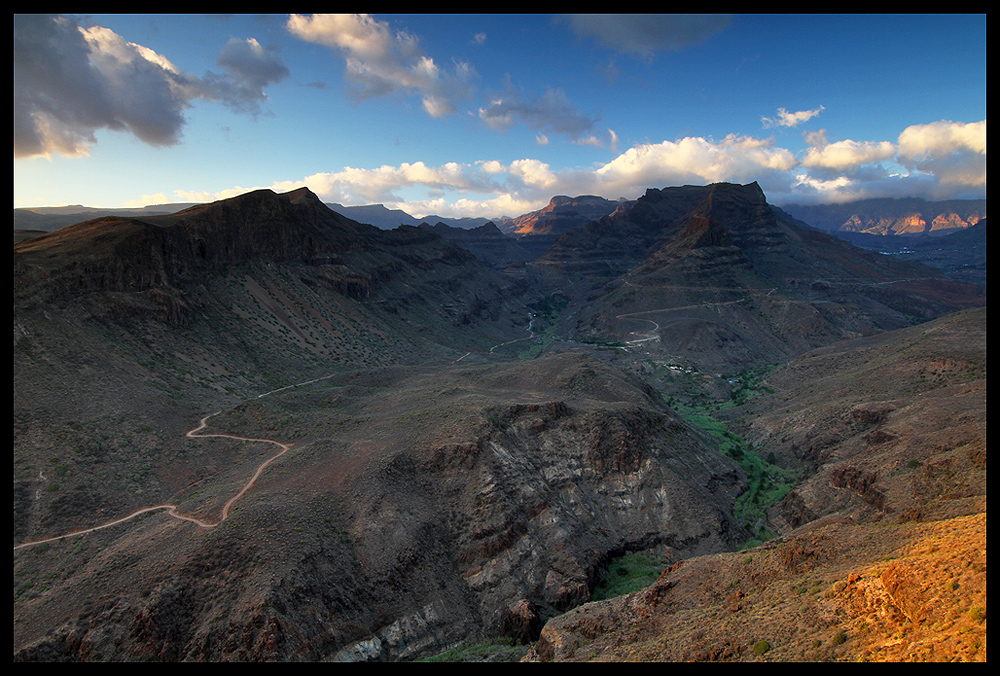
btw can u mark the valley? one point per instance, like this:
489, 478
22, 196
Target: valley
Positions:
418, 446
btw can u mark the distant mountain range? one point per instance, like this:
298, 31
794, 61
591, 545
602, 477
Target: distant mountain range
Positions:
383, 217
883, 216
887, 216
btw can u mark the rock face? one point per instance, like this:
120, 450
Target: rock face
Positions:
536, 231
489, 527
892, 216
882, 553
562, 214
888, 427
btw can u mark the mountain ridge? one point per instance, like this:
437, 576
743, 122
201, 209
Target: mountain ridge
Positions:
469, 446
892, 216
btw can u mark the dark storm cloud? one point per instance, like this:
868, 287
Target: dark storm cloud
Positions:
71, 81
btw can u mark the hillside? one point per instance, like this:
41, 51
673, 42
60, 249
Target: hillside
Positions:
299, 437
486, 242
881, 555
712, 277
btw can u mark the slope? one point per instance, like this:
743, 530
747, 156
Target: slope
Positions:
126, 330
883, 552
712, 277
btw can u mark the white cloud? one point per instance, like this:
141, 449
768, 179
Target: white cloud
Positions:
943, 138
829, 172
848, 155
533, 173
71, 81
740, 159
379, 62
954, 152
530, 181
787, 119
492, 166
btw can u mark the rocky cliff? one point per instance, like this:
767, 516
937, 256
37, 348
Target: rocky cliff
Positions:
882, 553
907, 216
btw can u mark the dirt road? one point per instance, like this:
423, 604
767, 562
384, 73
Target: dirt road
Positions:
172, 509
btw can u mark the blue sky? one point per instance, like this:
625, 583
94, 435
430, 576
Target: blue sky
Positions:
490, 115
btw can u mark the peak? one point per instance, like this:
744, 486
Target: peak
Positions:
750, 190
559, 200
301, 194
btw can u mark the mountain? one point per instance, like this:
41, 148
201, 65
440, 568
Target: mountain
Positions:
303, 281
560, 215
47, 219
892, 216
382, 217
537, 230
130, 330
258, 429
960, 254
486, 242
713, 276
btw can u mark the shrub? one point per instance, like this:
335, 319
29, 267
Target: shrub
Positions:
761, 647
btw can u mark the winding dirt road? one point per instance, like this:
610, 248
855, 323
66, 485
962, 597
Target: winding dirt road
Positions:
172, 509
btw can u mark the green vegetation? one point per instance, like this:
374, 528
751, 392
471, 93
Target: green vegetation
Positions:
500, 649
747, 384
761, 647
768, 483
627, 574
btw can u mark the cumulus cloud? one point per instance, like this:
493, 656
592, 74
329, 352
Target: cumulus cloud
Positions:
847, 155
71, 81
491, 188
787, 119
380, 62
647, 34
954, 152
382, 185
251, 68
938, 160
739, 159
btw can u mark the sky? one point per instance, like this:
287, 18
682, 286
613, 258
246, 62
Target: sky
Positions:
491, 115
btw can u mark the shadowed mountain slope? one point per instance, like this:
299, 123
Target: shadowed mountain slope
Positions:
713, 276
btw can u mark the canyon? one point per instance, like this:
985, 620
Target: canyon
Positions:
474, 428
